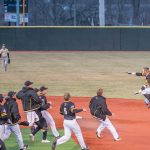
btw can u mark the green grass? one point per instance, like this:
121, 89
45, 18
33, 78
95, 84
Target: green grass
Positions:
37, 145
80, 73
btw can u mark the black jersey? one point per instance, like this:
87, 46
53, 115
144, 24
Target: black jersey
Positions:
65, 110
3, 116
147, 77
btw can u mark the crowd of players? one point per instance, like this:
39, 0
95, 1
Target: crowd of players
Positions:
36, 105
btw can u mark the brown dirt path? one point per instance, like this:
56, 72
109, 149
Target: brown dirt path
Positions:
131, 119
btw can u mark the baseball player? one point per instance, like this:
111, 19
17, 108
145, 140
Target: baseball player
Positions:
4, 54
49, 119
99, 110
3, 119
69, 111
30, 101
145, 91
145, 72
14, 117
43, 124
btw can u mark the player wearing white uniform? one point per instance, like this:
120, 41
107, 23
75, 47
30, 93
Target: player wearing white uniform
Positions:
4, 54
69, 111
49, 119
99, 110
145, 90
14, 117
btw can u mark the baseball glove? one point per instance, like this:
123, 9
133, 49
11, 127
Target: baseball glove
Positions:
9, 61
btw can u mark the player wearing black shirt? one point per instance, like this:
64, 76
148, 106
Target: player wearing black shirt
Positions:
68, 110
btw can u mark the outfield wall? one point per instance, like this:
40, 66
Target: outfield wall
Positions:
76, 38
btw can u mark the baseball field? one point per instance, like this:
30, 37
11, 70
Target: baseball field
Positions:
81, 74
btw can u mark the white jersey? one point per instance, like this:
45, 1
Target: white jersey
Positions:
145, 91
4, 52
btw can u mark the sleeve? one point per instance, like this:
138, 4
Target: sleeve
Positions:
61, 109
15, 112
105, 108
36, 97
91, 103
73, 109
45, 106
138, 74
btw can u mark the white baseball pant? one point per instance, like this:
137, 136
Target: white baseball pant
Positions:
16, 130
1, 131
4, 63
107, 124
69, 127
32, 117
50, 121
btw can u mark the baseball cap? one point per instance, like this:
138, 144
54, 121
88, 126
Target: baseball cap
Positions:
36, 90
11, 93
27, 83
146, 68
42, 88
1, 97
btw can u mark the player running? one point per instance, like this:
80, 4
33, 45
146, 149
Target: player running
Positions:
100, 111
69, 111
44, 110
30, 102
14, 117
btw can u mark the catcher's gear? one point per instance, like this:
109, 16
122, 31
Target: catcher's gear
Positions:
8, 60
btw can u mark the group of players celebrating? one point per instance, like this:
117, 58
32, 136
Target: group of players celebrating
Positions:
36, 105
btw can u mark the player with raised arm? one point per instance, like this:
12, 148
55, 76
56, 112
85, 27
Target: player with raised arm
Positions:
145, 72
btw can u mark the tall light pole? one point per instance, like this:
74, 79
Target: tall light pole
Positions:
101, 13
23, 12
17, 13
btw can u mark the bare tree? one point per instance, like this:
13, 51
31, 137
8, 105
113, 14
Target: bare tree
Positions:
136, 12
1, 12
120, 4
109, 12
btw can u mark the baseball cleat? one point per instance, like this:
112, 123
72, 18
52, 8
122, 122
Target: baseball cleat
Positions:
58, 137
118, 139
45, 141
25, 147
32, 137
98, 135
54, 144
87, 148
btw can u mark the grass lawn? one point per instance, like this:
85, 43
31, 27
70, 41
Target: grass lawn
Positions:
80, 73
37, 145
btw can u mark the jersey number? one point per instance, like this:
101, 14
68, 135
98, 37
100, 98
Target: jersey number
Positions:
65, 111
